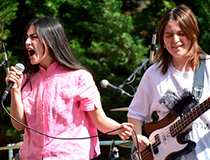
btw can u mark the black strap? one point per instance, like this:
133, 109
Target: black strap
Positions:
197, 89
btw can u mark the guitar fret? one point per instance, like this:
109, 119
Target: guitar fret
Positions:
188, 118
179, 124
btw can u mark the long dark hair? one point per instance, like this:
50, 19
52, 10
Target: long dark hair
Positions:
188, 23
52, 32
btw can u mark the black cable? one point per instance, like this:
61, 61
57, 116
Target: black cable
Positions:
53, 136
70, 138
134, 131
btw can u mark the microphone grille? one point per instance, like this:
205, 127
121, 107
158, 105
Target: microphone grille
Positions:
20, 67
104, 83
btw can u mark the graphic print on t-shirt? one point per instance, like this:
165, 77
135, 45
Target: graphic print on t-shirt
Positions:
170, 99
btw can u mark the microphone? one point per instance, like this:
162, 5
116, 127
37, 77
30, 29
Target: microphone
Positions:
105, 84
20, 67
153, 46
6, 62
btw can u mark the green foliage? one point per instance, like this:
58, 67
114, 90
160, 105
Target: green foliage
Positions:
102, 40
109, 37
203, 17
8, 10
105, 34
44, 7
7, 14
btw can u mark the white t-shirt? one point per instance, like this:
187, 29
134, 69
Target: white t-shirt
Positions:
158, 92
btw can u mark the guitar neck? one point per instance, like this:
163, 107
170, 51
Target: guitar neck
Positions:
189, 117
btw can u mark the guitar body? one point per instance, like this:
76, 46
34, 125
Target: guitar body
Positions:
164, 146
167, 147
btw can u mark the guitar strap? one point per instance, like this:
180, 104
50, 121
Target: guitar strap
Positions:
197, 89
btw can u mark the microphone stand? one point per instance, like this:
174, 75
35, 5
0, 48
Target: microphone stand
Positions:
4, 63
141, 65
127, 81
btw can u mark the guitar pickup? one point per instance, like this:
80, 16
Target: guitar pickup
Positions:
155, 145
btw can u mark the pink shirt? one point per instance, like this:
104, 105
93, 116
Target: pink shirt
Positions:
55, 102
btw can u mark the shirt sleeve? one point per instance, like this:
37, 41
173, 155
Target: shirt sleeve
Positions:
89, 96
140, 106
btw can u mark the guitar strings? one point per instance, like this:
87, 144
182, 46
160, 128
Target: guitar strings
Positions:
146, 153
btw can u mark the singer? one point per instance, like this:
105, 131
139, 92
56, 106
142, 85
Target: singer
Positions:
58, 97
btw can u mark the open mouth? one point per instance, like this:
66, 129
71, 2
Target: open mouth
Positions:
31, 52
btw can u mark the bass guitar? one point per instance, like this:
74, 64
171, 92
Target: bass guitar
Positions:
167, 135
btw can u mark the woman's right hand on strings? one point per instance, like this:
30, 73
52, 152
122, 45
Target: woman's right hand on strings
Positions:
143, 142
